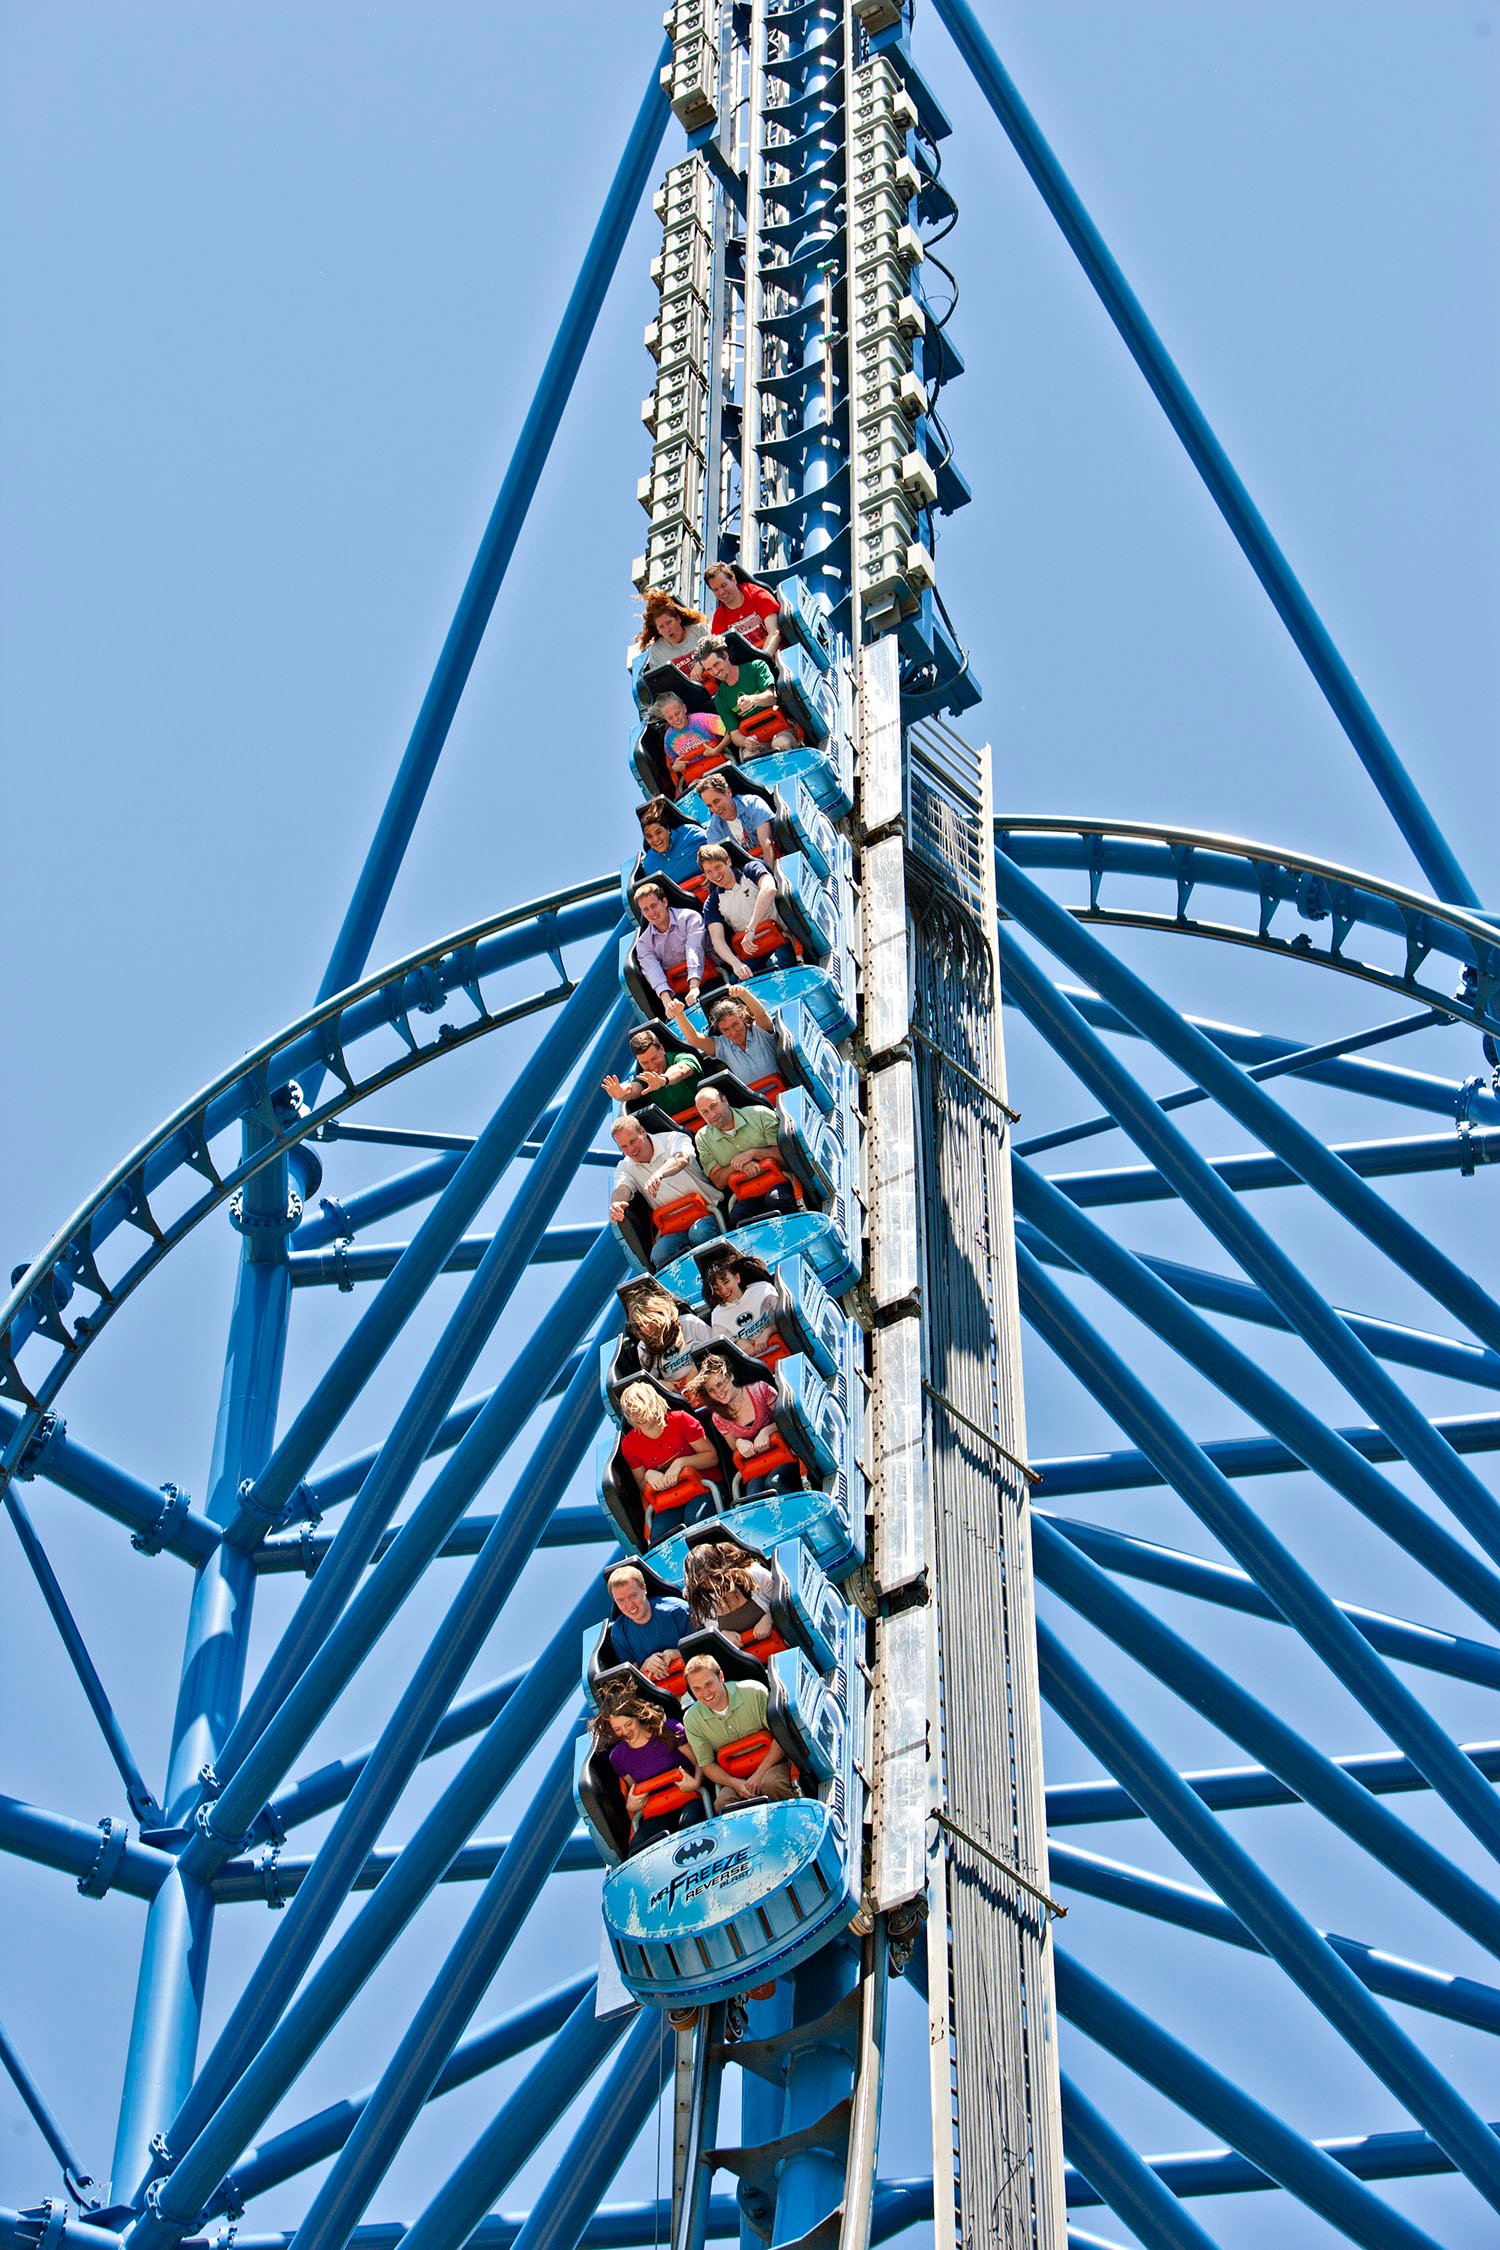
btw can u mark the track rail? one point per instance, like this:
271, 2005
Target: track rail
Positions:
178, 1177
1339, 913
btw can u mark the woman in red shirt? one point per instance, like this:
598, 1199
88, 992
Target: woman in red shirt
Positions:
667, 1451
747, 609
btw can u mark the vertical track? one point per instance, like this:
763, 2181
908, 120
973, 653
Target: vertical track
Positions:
990, 1970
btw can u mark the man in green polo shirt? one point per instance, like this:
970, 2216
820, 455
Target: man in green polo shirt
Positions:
725, 1711
740, 692
737, 1148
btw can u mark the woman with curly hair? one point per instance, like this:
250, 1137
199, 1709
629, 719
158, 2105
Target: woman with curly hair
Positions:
649, 1753
670, 633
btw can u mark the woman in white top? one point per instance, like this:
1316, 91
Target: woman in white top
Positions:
743, 1301
670, 633
666, 1336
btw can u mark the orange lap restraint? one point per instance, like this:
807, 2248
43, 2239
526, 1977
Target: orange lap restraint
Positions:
677, 1216
741, 1758
764, 725
750, 1190
701, 762
663, 1793
771, 1645
778, 1455
750, 945
674, 1496
770, 1087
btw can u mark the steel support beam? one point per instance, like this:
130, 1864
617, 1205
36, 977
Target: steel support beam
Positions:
1283, 2156
456, 661
1372, 746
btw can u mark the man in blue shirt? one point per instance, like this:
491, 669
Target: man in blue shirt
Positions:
645, 1629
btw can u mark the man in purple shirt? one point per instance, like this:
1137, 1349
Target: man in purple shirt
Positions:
673, 938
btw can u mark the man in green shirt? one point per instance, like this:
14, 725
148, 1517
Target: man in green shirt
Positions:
738, 1150
743, 690
723, 1712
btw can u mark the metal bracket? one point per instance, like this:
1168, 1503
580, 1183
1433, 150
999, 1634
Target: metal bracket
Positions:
97, 1878
266, 1867
175, 1505
941, 1398
34, 1452
1012, 1874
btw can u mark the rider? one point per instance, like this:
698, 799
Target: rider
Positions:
663, 1168
739, 1150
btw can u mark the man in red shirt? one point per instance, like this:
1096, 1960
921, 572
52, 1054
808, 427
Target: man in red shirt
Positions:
747, 609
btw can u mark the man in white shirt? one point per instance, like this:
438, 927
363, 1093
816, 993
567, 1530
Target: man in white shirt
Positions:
664, 1169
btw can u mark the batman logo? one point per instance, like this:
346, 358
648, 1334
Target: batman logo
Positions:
699, 1848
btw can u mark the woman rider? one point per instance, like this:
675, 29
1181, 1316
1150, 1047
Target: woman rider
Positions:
745, 1415
671, 845
670, 633
666, 1335
643, 1746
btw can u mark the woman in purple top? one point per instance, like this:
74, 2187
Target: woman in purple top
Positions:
646, 1748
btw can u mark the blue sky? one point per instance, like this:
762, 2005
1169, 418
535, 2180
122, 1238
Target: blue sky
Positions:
279, 286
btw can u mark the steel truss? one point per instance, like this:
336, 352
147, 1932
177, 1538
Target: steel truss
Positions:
954, 1752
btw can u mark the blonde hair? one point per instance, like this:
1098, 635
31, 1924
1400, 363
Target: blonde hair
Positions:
644, 1406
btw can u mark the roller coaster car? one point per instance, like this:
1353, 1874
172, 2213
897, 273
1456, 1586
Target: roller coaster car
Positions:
725, 1905
620, 1360
806, 1613
818, 915
804, 620
811, 1423
825, 1230
822, 760
633, 978
809, 1324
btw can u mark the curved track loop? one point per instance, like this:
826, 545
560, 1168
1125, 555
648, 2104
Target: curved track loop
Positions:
1337, 909
348, 1038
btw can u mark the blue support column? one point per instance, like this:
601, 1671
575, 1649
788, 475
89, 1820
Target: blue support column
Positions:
1459, 1999
561, 2211
155, 1516
377, 1600
438, 2021
179, 1925
1297, 1595
419, 762
1373, 747
356, 1360
139, 1795
1129, 1279
1225, 1216
1305, 1771
287, 2153
213, 2127
818, 2078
